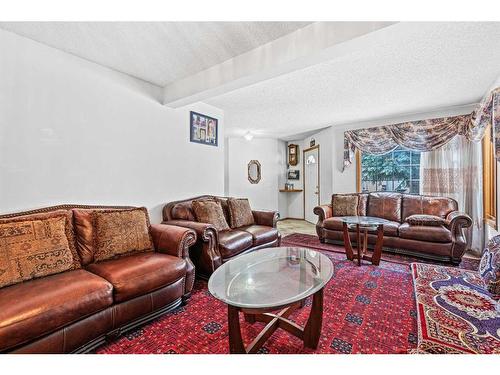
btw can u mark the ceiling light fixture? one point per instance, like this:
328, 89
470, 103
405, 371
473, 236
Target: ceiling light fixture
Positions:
248, 136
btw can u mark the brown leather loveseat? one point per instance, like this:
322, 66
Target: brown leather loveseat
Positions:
215, 247
76, 309
445, 242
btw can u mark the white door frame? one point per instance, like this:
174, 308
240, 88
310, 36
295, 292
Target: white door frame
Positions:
304, 174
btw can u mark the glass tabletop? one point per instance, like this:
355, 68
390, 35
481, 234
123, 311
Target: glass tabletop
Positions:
270, 277
364, 220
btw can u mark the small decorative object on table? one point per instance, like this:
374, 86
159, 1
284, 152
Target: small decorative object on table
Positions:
273, 279
203, 129
363, 225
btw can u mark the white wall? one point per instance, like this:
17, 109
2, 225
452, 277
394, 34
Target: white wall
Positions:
75, 132
239, 152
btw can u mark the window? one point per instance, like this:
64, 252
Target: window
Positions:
398, 170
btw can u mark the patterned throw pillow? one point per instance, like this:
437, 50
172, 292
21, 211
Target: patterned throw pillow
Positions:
120, 232
345, 205
426, 220
36, 246
489, 267
240, 212
210, 211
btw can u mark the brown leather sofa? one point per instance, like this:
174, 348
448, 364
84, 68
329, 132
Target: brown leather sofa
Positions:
444, 242
216, 247
77, 310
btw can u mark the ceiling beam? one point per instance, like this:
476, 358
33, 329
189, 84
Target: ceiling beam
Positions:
302, 48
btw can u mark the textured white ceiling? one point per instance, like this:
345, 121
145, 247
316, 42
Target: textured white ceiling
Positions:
157, 52
404, 68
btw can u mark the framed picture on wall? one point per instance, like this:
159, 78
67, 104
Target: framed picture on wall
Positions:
294, 174
203, 129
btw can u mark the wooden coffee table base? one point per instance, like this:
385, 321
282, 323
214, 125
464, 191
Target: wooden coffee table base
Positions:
309, 334
362, 244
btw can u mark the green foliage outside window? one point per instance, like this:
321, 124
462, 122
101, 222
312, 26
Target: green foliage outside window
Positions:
398, 170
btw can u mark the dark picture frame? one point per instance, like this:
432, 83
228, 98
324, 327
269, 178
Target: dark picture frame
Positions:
203, 129
294, 174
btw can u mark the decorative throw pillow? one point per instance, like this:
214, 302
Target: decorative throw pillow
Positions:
210, 211
240, 212
36, 246
489, 267
426, 220
120, 232
345, 205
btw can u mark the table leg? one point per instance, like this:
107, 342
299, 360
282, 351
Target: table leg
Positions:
312, 330
236, 345
377, 251
347, 242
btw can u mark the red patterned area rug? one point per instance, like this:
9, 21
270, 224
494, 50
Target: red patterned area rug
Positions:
455, 313
312, 242
367, 309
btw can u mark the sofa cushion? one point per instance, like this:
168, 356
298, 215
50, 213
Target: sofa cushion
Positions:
234, 241
426, 220
335, 223
489, 268
345, 204
385, 205
427, 205
425, 233
35, 246
240, 212
84, 228
183, 211
225, 208
261, 234
119, 232
138, 274
38, 307
362, 204
210, 211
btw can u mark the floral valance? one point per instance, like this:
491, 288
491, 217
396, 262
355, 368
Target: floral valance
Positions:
488, 112
423, 135
428, 135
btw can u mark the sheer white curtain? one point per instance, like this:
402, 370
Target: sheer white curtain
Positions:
455, 171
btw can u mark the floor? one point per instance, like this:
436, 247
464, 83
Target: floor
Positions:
290, 226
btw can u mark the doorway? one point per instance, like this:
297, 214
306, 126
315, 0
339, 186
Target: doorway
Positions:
311, 182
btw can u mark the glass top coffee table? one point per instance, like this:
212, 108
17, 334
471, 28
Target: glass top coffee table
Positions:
362, 225
276, 280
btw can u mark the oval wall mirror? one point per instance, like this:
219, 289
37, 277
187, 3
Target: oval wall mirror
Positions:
254, 173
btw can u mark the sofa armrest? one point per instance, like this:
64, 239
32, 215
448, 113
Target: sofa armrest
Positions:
205, 253
204, 231
172, 240
324, 212
457, 222
267, 218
